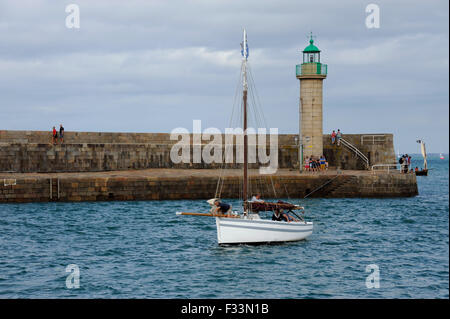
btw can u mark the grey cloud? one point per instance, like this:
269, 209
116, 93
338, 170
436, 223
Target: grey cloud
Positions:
156, 65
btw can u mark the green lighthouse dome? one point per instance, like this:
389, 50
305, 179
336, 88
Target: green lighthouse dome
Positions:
311, 47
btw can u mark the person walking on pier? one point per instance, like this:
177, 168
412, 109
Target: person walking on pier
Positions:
54, 136
333, 137
338, 137
61, 134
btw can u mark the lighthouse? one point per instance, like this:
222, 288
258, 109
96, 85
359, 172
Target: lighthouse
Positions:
311, 74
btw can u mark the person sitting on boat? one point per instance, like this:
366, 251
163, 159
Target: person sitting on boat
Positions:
288, 217
257, 199
222, 208
277, 216
416, 169
280, 216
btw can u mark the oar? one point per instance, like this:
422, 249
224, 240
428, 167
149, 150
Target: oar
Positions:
207, 214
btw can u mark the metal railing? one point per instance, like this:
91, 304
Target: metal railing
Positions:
373, 138
311, 69
357, 151
385, 167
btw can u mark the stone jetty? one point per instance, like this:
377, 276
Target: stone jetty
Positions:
94, 166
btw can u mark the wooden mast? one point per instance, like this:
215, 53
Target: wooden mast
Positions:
245, 146
244, 97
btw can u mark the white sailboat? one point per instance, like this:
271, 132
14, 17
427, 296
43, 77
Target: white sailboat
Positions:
241, 230
247, 227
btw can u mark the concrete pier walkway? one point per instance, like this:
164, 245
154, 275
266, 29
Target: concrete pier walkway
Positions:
163, 184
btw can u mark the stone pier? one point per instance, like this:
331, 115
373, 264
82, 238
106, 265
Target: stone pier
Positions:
94, 166
32, 151
171, 184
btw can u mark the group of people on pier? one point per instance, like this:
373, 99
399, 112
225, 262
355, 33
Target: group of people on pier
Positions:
313, 164
336, 137
405, 163
56, 136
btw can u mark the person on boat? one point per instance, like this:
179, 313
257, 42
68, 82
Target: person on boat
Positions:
257, 199
222, 208
280, 216
416, 169
289, 218
277, 216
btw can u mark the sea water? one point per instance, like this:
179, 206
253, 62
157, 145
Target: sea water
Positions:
360, 248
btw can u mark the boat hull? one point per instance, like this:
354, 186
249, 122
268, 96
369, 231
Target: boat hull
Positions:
423, 172
251, 231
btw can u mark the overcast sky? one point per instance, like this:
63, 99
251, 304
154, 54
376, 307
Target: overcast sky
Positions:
152, 66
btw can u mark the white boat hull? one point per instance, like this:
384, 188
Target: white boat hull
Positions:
241, 231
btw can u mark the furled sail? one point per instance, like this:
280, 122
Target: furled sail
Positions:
424, 154
268, 206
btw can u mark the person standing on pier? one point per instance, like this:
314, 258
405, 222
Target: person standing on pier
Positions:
54, 136
307, 164
322, 162
333, 137
61, 134
338, 136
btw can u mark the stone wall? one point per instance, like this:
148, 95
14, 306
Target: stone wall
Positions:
45, 137
378, 148
95, 188
31, 151
90, 157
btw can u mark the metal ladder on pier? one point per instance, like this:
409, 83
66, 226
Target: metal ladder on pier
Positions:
54, 189
352, 148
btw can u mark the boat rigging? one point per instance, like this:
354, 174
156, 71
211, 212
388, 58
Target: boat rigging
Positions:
247, 226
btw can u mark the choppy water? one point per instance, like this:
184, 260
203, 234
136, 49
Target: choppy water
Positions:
143, 250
